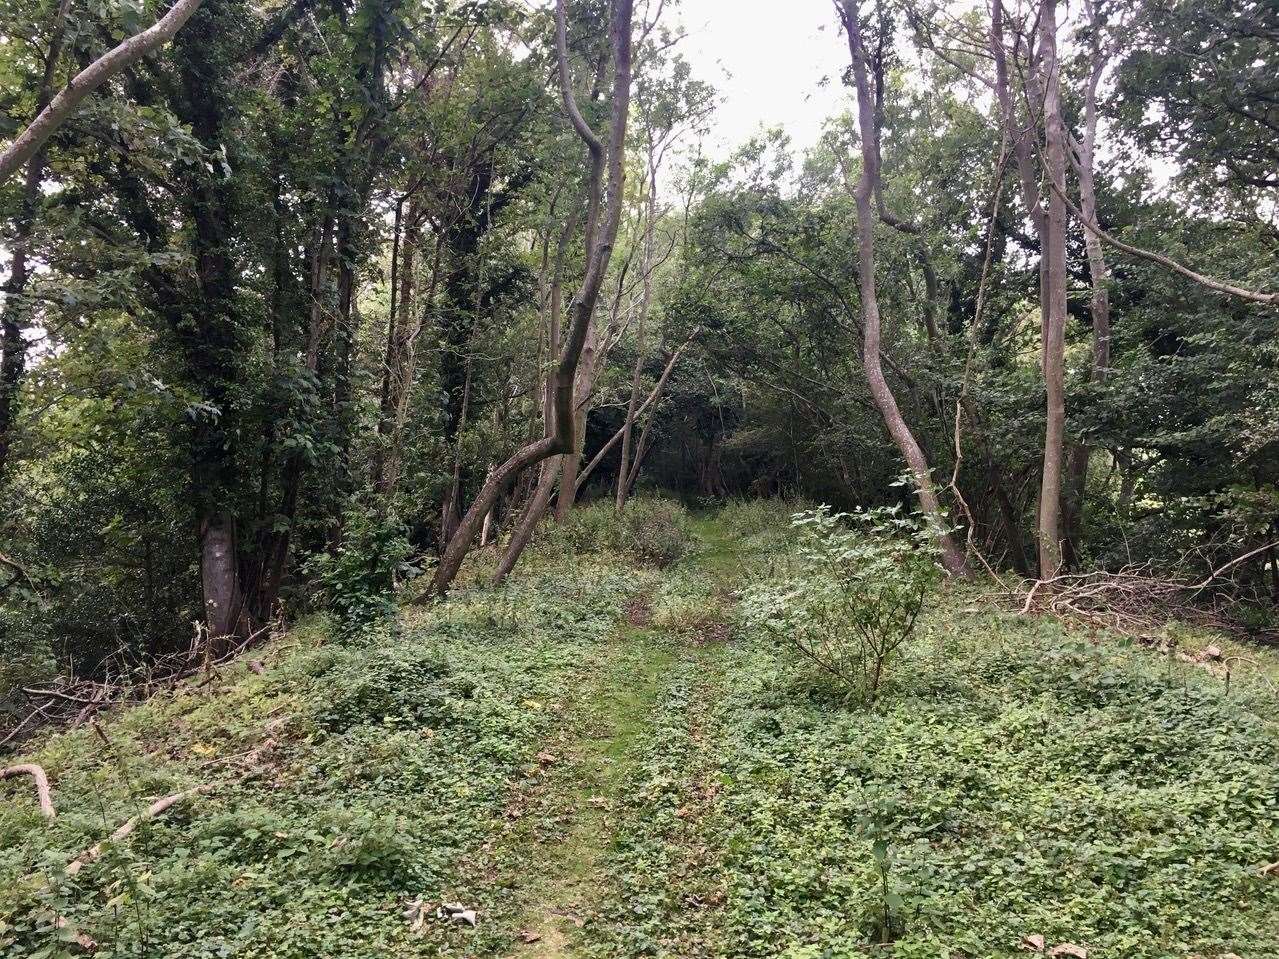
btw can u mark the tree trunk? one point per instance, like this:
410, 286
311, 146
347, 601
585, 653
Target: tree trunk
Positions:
1099, 277
600, 237
952, 557
623, 473
1053, 252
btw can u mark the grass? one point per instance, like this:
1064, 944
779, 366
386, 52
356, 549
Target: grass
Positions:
603, 760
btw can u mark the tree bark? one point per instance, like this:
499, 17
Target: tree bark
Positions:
1099, 277
600, 237
952, 558
1053, 254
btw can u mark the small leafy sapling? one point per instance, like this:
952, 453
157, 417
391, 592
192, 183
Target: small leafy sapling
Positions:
861, 583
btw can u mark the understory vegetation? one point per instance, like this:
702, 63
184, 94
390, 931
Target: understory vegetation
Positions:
1013, 778
687, 479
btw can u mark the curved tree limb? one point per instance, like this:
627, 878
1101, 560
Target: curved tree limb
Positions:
157, 808
60, 108
42, 785
1208, 282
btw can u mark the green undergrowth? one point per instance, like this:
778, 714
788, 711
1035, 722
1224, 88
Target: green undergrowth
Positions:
352, 781
1016, 779
604, 758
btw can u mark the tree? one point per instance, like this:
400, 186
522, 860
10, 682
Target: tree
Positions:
868, 187
602, 219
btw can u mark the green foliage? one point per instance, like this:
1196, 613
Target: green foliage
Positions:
854, 596
358, 581
389, 772
650, 529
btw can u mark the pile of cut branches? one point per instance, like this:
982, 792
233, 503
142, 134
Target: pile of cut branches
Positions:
70, 701
1135, 600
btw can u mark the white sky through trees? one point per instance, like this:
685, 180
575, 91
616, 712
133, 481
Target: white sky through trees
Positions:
776, 54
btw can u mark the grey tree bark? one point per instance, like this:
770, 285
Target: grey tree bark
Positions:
62, 106
1053, 243
1099, 275
881, 393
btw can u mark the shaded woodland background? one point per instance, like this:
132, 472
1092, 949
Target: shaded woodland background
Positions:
283, 294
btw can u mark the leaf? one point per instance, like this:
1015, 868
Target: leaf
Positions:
1035, 942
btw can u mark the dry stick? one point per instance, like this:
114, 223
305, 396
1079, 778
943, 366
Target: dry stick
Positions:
89, 79
157, 808
42, 784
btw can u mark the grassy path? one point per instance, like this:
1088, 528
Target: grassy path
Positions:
645, 699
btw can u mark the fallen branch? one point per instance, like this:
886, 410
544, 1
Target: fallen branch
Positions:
157, 808
1234, 562
42, 785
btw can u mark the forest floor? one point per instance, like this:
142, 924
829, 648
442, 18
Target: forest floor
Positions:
600, 759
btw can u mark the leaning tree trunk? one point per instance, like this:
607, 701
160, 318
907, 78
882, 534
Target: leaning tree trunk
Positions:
881, 393
601, 233
59, 109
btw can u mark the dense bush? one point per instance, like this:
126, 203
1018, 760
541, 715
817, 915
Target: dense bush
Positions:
358, 581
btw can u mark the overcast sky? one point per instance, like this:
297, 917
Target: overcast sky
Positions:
776, 53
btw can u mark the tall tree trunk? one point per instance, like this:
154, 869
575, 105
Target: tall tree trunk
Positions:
864, 194
208, 327
1054, 291
601, 233
319, 324
1099, 277
450, 513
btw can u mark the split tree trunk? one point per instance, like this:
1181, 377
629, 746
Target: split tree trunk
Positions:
601, 233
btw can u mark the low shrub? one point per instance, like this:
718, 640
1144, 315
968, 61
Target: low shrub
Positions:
752, 517
650, 529
358, 581
859, 587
